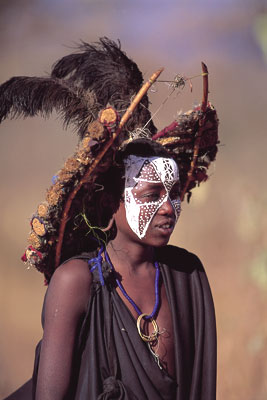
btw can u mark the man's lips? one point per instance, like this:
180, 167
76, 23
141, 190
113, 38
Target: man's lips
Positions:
167, 224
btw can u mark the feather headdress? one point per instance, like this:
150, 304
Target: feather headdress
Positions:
96, 90
80, 85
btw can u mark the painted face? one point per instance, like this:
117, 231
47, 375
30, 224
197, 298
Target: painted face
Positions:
140, 210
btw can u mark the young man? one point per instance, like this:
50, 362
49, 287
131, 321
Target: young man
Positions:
125, 316
120, 353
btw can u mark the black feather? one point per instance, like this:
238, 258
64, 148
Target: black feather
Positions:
114, 78
80, 86
102, 67
29, 96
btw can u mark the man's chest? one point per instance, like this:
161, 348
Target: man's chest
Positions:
143, 294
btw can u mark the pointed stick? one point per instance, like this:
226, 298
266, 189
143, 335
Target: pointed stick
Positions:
138, 97
99, 157
200, 130
205, 87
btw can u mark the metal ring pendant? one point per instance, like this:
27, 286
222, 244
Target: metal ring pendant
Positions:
154, 335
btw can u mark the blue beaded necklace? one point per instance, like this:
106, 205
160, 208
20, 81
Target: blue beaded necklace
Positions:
148, 317
153, 337
135, 306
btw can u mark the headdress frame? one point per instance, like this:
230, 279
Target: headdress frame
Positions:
68, 222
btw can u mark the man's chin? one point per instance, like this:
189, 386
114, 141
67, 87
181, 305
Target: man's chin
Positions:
156, 241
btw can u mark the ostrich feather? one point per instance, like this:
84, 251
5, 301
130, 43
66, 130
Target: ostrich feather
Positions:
29, 96
106, 70
80, 85
102, 67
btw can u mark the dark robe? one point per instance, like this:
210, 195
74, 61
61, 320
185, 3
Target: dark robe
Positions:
113, 362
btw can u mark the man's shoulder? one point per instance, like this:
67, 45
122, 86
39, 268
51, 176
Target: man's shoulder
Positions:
178, 259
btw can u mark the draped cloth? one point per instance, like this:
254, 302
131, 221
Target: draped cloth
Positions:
113, 362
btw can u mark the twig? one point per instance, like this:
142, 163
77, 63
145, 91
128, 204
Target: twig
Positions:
205, 87
164, 131
200, 130
138, 98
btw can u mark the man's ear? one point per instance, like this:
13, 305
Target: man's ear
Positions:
110, 224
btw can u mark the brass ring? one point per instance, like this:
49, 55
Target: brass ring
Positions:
154, 335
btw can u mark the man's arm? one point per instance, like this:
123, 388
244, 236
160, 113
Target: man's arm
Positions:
66, 302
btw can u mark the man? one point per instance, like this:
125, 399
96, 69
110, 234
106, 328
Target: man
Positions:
133, 318
177, 359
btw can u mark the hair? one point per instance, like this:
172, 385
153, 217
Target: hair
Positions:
143, 148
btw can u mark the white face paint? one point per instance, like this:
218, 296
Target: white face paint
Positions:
139, 213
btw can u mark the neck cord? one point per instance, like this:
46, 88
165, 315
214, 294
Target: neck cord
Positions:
153, 337
135, 306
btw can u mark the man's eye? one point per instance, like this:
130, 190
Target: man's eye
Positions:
151, 196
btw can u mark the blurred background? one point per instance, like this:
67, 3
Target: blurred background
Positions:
225, 223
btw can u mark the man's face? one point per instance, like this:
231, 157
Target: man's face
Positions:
152, 204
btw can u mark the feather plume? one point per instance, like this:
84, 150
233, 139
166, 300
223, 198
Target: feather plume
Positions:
106, 70
29, 96
81, 84
102, 67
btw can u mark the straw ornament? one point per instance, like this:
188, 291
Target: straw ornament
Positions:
35, 240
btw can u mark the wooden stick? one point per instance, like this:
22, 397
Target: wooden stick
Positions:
164, 131
205, 87
200, 130
138, 97
99, 157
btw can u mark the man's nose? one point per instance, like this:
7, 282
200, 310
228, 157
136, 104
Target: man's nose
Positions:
166, 207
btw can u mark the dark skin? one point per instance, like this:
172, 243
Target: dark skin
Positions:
69, 292
133, 259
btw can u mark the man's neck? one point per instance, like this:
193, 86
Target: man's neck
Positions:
131, 255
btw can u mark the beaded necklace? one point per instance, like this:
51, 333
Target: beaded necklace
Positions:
148, 317
149, 339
